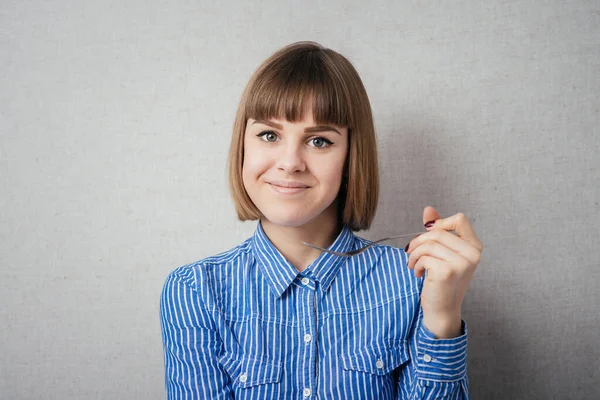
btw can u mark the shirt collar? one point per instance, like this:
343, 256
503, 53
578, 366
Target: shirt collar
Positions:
280, 273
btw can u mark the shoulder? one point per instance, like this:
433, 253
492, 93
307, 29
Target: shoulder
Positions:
194, 274
389, 264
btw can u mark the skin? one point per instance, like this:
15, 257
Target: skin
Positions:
450, 261
287, 152
278, 150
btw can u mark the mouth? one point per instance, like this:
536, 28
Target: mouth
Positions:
288, 187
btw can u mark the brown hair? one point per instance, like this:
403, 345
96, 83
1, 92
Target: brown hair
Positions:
278, 88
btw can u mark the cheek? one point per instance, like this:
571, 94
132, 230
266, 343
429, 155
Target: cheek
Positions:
335, 167
329, 172
254, 163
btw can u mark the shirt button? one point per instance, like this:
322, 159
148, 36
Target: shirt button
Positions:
307, 338
307, 392
427, 358
243, 378
305, 281
379, 364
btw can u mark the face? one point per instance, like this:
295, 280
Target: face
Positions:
293, 171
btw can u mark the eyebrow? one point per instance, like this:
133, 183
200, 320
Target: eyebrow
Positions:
312, 129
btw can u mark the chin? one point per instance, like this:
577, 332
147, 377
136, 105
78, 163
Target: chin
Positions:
287, 220
292, 217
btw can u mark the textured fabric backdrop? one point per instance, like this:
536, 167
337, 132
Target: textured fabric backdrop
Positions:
115, 122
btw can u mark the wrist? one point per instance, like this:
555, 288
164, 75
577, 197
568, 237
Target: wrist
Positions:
444, 326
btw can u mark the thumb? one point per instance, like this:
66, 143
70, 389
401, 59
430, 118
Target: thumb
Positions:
429, 214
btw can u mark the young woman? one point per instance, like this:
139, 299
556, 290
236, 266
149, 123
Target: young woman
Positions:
275, 319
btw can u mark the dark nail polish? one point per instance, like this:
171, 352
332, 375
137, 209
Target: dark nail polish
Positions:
429, 224
406, 248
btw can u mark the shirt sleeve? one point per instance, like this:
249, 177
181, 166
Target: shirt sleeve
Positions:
191, 343
437, 368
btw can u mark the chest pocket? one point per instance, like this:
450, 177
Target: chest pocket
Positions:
376, 359
247, 371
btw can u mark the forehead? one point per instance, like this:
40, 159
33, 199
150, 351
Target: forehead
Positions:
305, 118
307, 125
297, 104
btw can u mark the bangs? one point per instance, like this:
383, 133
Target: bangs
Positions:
284, 84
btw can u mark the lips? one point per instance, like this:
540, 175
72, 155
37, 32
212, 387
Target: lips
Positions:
288, 187
288, 184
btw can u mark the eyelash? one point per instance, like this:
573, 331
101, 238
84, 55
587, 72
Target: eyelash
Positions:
327, 141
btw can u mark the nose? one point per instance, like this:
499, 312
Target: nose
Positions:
291, 159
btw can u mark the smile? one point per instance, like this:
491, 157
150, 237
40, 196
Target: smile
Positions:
294, 189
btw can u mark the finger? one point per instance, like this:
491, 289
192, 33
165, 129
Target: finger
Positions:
449, 240
407, 246
439, 251
428, 263
430, 215
461, 225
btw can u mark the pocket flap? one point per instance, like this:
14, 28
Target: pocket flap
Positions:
377, 359
251, 370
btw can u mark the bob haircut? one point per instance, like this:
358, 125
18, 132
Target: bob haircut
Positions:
306, 71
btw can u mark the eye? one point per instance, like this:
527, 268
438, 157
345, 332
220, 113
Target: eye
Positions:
320, 142
268, 136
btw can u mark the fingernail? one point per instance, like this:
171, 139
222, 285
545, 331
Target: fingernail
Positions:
408, 245
429, 224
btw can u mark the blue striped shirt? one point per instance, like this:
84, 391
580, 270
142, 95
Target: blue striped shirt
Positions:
246, 324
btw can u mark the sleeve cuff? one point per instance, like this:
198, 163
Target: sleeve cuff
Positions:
441, 359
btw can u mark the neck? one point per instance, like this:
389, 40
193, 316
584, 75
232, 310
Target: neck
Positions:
321, 231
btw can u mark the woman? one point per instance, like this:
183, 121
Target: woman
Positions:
273, 318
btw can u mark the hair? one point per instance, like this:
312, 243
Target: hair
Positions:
306, 71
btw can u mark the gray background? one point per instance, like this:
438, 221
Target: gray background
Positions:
115, 123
